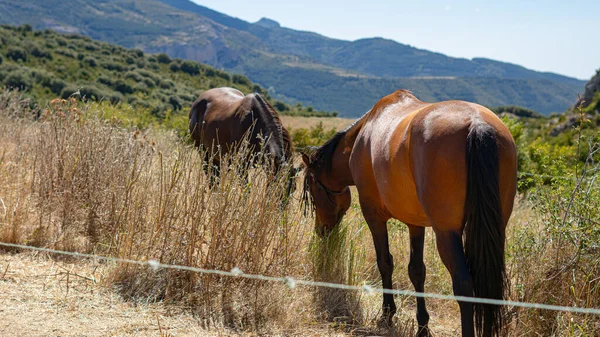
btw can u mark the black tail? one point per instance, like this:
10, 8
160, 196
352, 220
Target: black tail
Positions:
484, 228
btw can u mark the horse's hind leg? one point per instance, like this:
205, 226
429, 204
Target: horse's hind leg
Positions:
450, 247
417, 272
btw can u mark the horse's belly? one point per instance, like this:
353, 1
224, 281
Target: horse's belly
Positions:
400, 198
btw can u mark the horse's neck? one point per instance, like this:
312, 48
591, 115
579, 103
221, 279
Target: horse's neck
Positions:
340, 163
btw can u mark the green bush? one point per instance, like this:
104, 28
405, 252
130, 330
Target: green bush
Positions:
16, 54
280, 106
190, 67
175, 103
314, 136
141, 87
68, 91
149, 82
38, 51
114, 66
18, 79
65, 52
123, 87
133, 76
105, 80
115, 97
90, 61
57, 85
224, 75
61, 41
163, 58
42, 77
91, 92
239, 79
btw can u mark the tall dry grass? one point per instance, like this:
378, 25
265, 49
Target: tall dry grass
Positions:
72, 180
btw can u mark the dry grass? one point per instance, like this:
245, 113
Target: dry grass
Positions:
336, 123
74, 181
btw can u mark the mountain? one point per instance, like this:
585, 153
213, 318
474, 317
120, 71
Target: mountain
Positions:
348, 76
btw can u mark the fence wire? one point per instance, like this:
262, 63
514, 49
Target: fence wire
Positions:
292, 282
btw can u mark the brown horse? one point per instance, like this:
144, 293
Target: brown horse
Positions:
224, 117
451, 166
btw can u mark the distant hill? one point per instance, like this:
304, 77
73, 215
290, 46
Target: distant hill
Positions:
330, 74
45, 65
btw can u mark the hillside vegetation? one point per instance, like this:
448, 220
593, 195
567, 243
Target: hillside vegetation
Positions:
328, 74
45, 65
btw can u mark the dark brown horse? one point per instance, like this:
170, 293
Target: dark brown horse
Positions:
451, 166
224, 117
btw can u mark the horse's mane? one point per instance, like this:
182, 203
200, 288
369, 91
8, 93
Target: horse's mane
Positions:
322, 156
275, 126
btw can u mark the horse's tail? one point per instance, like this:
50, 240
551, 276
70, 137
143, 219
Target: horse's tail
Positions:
484, 227
196, 118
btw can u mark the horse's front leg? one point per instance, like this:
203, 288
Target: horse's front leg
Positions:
377, 222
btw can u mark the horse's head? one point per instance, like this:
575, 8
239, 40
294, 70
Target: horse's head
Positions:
329, 205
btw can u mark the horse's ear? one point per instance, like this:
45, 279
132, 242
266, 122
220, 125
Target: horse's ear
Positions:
305, 158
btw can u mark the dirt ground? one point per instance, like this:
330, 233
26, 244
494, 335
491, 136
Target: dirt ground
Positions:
43, 297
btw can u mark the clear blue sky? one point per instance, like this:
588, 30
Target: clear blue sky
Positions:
557, 36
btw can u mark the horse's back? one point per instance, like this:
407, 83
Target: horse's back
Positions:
417, 153
217, 115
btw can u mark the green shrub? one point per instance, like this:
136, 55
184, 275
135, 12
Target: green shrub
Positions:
314, 136
175, 103
166, 84
138, 53
16, 53
115, 97
114, 66
90, 47
57, 85
90, 61
133, 76
42, 77
239, 79
149, 82
189, 67
123, 87
105, 80
19, 79
163, 58
25, 28
68, 91
141, 87
224, 75
280, 106
65, 52
38, 51
61, 41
